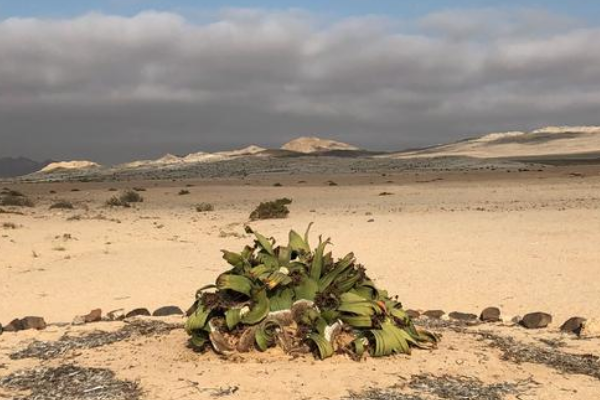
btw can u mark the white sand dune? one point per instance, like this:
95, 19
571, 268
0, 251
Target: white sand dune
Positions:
69, 165
554, 140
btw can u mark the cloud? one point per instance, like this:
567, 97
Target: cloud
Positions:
114, 88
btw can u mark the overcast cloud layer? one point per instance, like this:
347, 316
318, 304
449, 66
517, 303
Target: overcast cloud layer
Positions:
114, 88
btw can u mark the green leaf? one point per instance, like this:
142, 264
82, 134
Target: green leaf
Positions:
357, 321
306, 236
235, 259
307, 289
233, 317
237, 283
264, 243
297, 243
341, 266
324, 347
277, 278
317, 263
260, 309
265, 335
199, 339
197, 320
282, 300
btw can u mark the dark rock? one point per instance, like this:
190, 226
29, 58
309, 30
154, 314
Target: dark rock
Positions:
14, 326
413, 314
93, 316
166, 311
33, 323
573, 325
536, 320
490, 314
435, 314
460, 316
138, 312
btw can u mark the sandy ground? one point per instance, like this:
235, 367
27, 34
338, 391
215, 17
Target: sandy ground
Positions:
521, 241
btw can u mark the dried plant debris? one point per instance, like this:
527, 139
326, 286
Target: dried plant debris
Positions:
583, 364
463, 387
70, 382
431, 387
49, 350
382, 394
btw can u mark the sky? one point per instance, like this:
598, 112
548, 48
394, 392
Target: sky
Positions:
118, 80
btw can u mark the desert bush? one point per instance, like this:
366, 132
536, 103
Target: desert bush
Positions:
204, 207
271, 209
9, 225
277, 184
115, 201
183, 192
125, 199
300, 299
11, 192
16, 199
332, 183
62, 204
139, 189
112, 189
131, 196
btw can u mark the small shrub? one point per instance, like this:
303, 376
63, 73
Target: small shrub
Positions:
271, 209
62, 204
15, 200
10, 192
386, 194
75, 190
112, 189
139, 189
277, 184
183, 192
125, 199
332, 183
116, 202
9, 225
204, 207
131, 196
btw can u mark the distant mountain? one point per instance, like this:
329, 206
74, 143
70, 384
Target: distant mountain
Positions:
315, 145
11, 167
549, 141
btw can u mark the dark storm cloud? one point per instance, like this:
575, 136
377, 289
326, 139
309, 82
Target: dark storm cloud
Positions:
114, 88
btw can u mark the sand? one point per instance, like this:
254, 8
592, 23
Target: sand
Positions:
457, 241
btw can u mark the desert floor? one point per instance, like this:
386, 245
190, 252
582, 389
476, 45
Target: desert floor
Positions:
524, 242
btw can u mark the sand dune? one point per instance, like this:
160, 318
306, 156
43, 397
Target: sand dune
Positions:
541, 142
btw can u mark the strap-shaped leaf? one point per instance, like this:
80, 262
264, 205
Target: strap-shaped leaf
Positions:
324, 347
233, 317
264, 243
197, 321
259, 310
282, 300
317, 264
297, 243
237, 283
265, 335
307, 289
